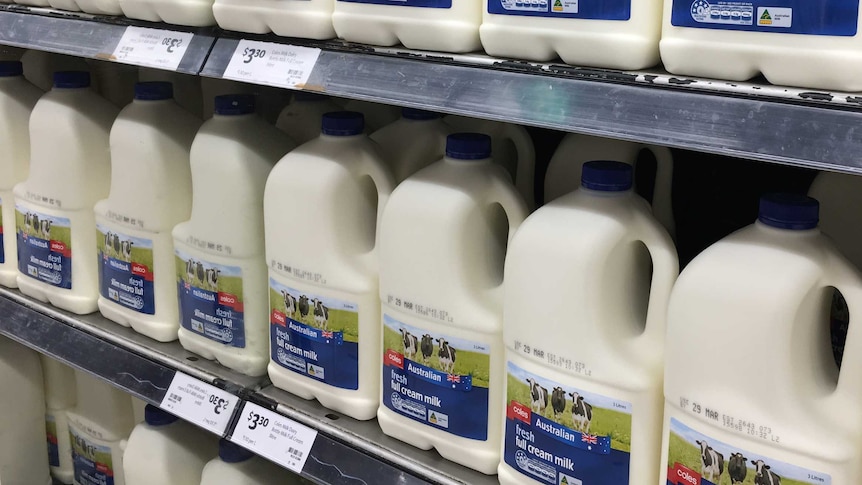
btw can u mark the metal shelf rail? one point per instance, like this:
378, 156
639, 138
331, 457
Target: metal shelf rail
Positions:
340, 450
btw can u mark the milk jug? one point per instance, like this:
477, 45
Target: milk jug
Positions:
565, 169
33, 3
194, 13
151, 192
749, 374
377, 115
304, 19
60, 397
97, 7
323, 282
220, 267
98, 428
40, 66
512, 147
615, 34
17, 98
435, 25
584, 327
738, 40
23, 454
165, 450
443, 239
301, 119
237, 466
187, 88
70, 169
415, 141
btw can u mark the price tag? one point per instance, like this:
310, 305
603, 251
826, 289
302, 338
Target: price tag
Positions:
280, 65
274, 437
200, 403
163, 49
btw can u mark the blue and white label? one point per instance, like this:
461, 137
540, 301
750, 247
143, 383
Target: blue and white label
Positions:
571, 9
93, 463
436, 379
315, 336
44, 247
407, 3
559, 434
52, 438
211, 300
823, 17
126, 270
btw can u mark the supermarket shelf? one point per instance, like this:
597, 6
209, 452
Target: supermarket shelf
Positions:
130, 361
88, 36
351, 451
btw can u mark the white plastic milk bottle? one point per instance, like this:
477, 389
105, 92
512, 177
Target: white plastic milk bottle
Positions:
288, 18
97, 7
588, 279
166, 450
17, 98
751, 386
237, 466
98, 427
301, 119
70, 169
151, 192
60, 397
220, 266
512, 147
616, 34
194, 13
737, 40
442, 244
187, 88
415, 141
323, 280
23, 454
435, 25
575, 149
377, 115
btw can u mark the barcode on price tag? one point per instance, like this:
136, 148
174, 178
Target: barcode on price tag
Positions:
280, 65
274, 437
163, 49
200, 403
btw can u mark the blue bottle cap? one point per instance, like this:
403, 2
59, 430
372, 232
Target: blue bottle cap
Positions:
11, 68
468, 146
419, 114
234, 104
309, 96
607, 176
71, 79
789, 211
155, 416
154, 91
232, 453
343, 123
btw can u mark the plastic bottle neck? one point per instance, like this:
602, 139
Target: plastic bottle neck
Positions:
780, 232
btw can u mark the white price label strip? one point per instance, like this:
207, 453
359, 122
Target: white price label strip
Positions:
274, 437
285, 66
200, 403
163, 49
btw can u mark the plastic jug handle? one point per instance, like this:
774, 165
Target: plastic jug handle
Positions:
849, 283
525, 172
385, 184
512, 203
662, 200
665, 263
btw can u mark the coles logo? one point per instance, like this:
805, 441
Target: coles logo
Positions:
229, 300
519, 411
60, 247
393, 358
142, 271
683, 475
279, 318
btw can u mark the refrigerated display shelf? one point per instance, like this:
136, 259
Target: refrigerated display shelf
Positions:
345, 451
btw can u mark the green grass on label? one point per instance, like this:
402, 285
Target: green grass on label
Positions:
339, 320
226, 284
474, 364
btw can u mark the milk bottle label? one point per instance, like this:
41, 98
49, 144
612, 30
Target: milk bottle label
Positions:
567, 9
211, 300
126, 270
51, 435
407, 3
92, 462
44, 247
697, 459
561, 434
824, 17
436, 379
314, 335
